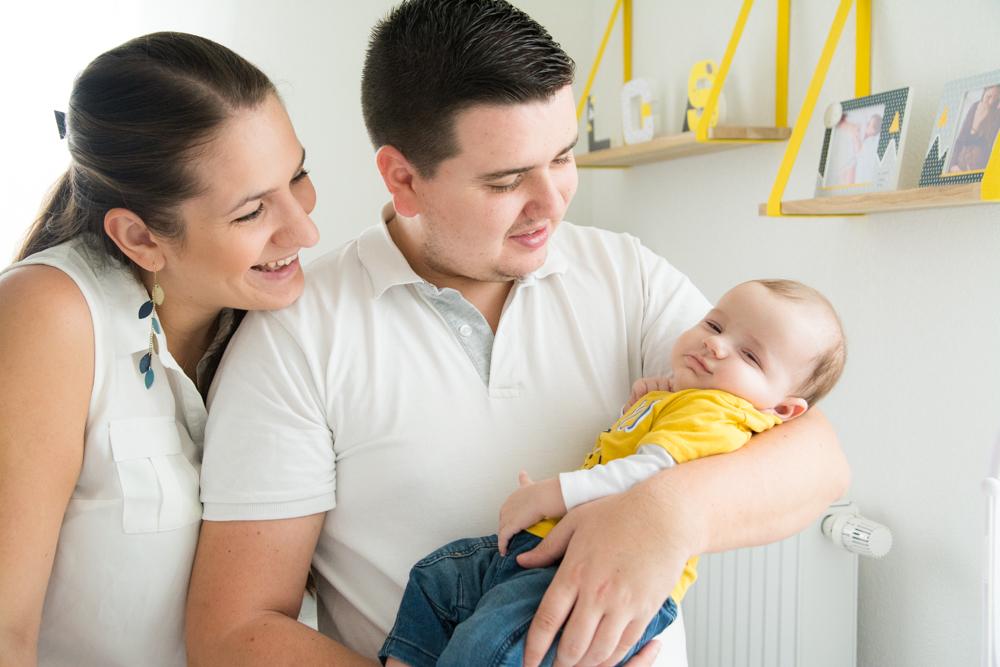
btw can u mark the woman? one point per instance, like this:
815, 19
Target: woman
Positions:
185, 203
972, 148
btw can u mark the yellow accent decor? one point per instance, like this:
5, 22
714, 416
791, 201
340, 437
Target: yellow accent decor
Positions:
701, 80
991, 177
701, 130
600, 54
627, 40
709, 134
808, 105
863, 49
894, 127
781, 64
943, 120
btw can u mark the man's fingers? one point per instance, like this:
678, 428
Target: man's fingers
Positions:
502, 539
551, 548
576, 636
644, 658
549, 618
608, 637
621, 638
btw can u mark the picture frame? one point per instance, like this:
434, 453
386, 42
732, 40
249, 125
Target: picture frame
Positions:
863, 144
964, 130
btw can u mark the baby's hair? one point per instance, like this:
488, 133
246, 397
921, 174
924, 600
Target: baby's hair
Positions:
829, 364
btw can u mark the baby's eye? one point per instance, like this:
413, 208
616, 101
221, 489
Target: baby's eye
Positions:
751, 357
712, 326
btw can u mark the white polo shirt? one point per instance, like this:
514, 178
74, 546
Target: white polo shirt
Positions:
362, 399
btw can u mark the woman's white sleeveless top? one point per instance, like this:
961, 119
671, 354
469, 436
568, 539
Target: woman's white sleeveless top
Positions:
120, 577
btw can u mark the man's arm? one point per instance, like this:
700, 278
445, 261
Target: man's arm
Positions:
246, 590
624, 553
267, 480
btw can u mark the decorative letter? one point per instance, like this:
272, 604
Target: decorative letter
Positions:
594, 144
700, 82
637, 127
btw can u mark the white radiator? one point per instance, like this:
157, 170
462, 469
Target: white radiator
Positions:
789, 604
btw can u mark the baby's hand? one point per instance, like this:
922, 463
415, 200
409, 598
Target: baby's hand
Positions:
529, 504
643, 386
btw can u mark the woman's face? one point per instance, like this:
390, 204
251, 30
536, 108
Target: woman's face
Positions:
242, 235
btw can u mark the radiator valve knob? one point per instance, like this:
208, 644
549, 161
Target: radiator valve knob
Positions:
857, 534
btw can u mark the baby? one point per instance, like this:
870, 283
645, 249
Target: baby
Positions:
763, 355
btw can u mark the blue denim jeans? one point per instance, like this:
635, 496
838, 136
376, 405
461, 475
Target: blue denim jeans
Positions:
465, 604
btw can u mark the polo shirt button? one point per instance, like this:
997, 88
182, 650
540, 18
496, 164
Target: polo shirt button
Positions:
465, 330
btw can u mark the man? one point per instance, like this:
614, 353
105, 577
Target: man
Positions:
389, 410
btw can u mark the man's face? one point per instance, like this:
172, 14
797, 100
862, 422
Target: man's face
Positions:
488, 212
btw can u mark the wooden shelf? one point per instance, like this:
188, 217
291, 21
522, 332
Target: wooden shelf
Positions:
882, 202
681, 145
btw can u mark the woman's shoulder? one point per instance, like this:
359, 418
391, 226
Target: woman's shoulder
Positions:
44, 300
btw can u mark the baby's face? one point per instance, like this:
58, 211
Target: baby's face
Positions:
755, 344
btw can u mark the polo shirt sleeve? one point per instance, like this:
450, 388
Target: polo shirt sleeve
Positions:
671, 305
268, 448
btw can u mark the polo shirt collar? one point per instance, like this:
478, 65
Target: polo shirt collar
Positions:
555, 261
387, 267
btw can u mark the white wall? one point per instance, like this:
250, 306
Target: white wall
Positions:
917, 409
918, 292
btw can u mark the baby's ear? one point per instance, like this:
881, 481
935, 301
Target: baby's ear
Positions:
790, 408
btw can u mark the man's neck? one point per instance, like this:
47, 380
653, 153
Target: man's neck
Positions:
488, 297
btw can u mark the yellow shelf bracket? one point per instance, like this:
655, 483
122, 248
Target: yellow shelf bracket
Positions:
627, 34
627, 40
862, 86
990, 188
863, 49
702, 130
781, 63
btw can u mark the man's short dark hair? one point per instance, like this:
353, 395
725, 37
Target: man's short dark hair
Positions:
430, 59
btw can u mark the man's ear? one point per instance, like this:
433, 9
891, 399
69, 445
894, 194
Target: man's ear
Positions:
398, 175
789, 409
130, 234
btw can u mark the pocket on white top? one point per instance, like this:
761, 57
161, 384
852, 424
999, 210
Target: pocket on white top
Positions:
159, 484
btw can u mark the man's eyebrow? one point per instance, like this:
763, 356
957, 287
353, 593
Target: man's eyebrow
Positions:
261, 195
492, 176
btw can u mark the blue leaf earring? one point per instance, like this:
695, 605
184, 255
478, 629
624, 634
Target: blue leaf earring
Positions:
146, 310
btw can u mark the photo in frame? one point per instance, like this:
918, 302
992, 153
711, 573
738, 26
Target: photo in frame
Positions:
863, 144
964, 130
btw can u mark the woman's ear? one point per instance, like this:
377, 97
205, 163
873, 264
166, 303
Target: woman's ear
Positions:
130, 234
398, 175
790, 408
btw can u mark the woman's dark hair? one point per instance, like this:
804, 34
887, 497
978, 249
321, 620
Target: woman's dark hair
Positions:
137, 116
430, 59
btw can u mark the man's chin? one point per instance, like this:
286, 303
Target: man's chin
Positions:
525, 266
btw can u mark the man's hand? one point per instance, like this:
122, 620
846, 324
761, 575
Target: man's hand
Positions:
620, 565
643, 386
529, 504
